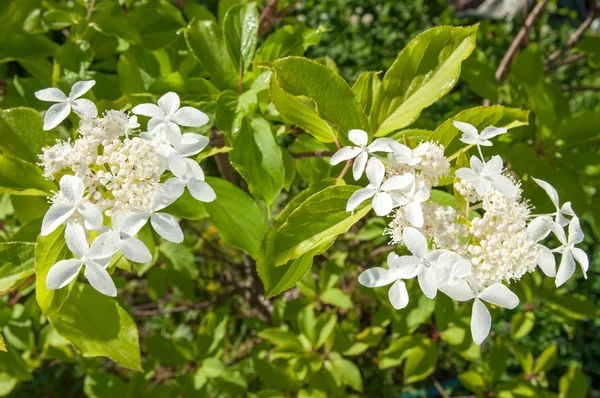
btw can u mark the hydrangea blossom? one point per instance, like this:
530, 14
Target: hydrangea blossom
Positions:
360, 153
111, 173
472, 251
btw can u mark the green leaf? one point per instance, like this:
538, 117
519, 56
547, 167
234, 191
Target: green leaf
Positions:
591, 46
366, 89
285, 41
240, 28
48, 251
300, 112
573, 384
239, 220
421, 362
156, 22
281, 338
473, 381
103, 385
117, 26
333, 99
318, 219
257, 157
480, 117
424, 71
97, 325
495, 364
206, 43
336, 297
575, 306
21, 132
480, 76
397, 351
188, 88
2, 344
187, 207
349, 371
546, 360
325, 324
18, 177
17, 263
521, 324
19, 46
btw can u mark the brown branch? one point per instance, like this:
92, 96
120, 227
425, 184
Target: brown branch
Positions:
317, 154
514, 46
19, 285
344, 171
575, 37
267, 16
580, 88
439, 388
566, 61
221, 159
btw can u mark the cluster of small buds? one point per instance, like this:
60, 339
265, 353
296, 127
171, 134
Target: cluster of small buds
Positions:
469, 252
113, 172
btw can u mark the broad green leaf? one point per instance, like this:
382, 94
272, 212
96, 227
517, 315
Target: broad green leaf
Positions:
301, 112
137, 70
156, 22
240, 28
193, 10
18, 177
324, 327
26, 47
591, 46
2, 344
480, 76
397, 351
48, 251
17, 263
575, 306
521, 324
98, 325
349, 371
366, 89
206, 42
546, 360
320, 218
284, 42
480, 117
333, 99
21, 132
421, 362
473, 381
188, 88
257, 157
496, 362
424, 71
281, 338
103, 384
573, 384
225, 5
335, 296
117, 26
239, 220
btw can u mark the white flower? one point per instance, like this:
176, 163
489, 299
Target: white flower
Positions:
451, 269
537, 230
59, 112
560, 213
481, 320
570, 253
487, 175
164, 224
411, 200
125, 227
72, 200
167, 117
95, 258
382, 192
188, 174
361, 152
404, 155
472, 137
378, 276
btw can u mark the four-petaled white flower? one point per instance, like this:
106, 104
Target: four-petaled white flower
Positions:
379, 276
537, 230
72, 190
472, 137
570, 253
561, 212
163, 223
384, 193
411, 200
484, 176
481, 320
451, 269
123, 231
405, 155
95, 258
59, 112
188, 174
167, 116
361, 151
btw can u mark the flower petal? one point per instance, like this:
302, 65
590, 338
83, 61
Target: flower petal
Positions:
380, 145
189, 117
191, 144
575, 232
174, 188
173, 133
178, 166
346, 153
195, 170
62, 273
481, 322
85, 107
201, 191
135, 250
547, 262
359, 165
550, 190
133, 222
55, 216
566, 269
469, 131
150, 110
482, 186
100, 279
476, 164
56, 114
491, 132
539, 228
169, 103
567, 209
459, 291
499, 294
51, 94
382, 203
72, 188
415, 242
376, 277
105, 245
427, 283
466, 174
422, 194
375, 172
76, 239
493, 166
414, 214
504, 185
80, 88
582, 258
398, 295
405, 267
92, 215
358, 197
167, 226
398, 183
358, 137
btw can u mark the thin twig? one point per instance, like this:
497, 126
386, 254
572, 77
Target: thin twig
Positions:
317, 154
575, 37
514, 46
439, 388
344, 171
19, 285
580, 88
566, 61
266, 17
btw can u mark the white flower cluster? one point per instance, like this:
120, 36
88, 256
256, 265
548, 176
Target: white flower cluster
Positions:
466, 253
111, 180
